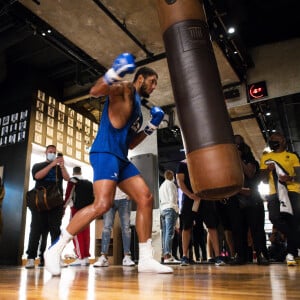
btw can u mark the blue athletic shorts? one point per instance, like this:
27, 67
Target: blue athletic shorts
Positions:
108, 166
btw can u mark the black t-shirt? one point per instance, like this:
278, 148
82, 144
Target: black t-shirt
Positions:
183, 169
50, 178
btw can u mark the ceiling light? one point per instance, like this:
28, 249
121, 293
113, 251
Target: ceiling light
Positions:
231, 30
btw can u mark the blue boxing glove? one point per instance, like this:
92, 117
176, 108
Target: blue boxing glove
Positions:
122, 65
157, 115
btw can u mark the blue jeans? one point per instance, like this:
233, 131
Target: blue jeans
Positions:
168, 220
123, 207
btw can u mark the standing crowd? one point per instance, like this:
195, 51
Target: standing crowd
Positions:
226, 231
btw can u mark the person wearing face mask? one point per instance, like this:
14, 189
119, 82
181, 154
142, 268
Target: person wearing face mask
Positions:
45, 174
245, 211
281, 170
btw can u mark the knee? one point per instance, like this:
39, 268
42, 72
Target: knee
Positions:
145, 201
101, 207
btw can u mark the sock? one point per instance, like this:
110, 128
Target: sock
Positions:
145, 249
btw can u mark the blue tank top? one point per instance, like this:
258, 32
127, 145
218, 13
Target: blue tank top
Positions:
113, 140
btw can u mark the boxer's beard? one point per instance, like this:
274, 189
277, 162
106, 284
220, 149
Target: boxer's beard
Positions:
143, 91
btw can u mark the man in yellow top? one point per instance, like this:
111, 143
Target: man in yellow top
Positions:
281, 170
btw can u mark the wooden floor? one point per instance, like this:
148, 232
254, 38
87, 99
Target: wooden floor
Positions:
201, 281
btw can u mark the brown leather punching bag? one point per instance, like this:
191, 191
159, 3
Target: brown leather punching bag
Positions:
213, 161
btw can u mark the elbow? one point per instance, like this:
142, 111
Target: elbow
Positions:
93, 92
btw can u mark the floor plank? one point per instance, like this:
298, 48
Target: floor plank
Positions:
201, 281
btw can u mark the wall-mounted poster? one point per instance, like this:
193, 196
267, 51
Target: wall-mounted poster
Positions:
51, 111
12, 138
49, 141
13, 127
40, 105
51, 101
78, 135
21, 136
78, 155
23, 115
60, 126
95, 129
50, 121
39, 116
69, 141
78, 145
61, 117
78, 125
69, 151
5, 120
4, 130
71, 113
41, 95
70, 122
70, 131
22, 125
38, 127
60, 137
38, 138
50, 132
14, 118
86, 157
59, 147
61, 107
3, 140
87, 130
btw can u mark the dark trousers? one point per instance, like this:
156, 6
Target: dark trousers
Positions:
199, 240
40, 223
286, 223
244, 218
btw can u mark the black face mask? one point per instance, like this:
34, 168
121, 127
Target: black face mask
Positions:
241, 147
274, 145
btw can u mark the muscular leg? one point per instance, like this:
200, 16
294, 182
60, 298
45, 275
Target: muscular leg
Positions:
137, 189
104, 191
186, 238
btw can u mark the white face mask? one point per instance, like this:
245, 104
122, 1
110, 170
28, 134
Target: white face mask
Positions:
51, 156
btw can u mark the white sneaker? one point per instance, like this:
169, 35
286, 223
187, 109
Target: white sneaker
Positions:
171, 260
30, 263
102, 262
80, 262
147, 264
127, 261
290, 260
53, 261
150, 265
63, 264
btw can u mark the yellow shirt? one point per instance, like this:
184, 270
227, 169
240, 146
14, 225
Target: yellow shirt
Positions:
288, 161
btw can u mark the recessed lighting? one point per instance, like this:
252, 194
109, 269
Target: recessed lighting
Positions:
231, 30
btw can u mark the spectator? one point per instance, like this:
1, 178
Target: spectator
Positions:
45, 174
168, 200
281, 170
193, 209
79, 193
122, 205
247, 211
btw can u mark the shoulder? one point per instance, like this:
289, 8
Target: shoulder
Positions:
74, 179
121, 88
39, 166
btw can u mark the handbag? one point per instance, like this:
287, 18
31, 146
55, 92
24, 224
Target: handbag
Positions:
44, 198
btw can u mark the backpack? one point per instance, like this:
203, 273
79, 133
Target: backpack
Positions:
83, 193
